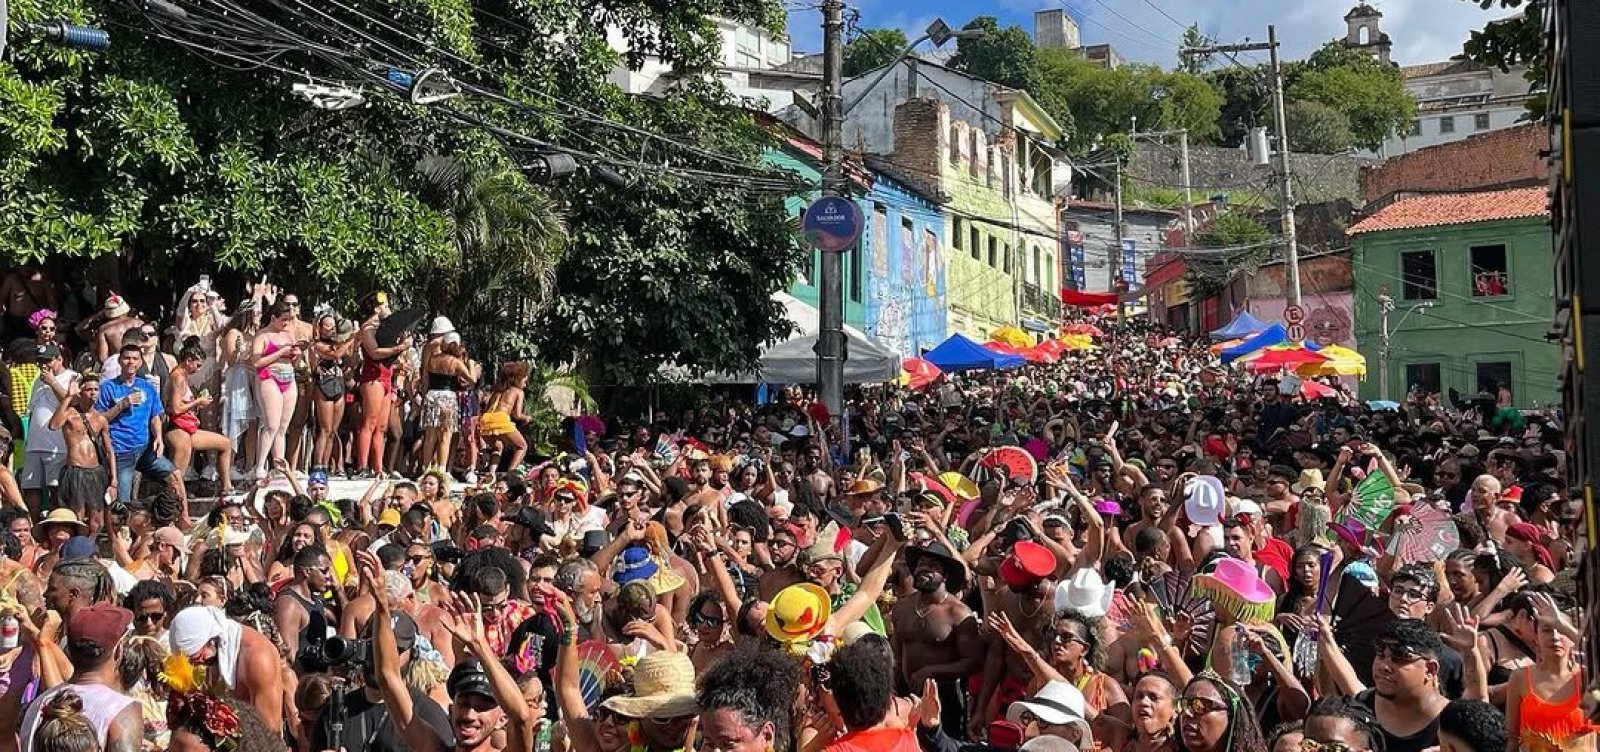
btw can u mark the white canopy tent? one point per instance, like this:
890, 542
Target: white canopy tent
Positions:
794, 361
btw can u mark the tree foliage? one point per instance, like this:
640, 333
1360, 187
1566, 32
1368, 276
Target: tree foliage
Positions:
1316, 128
873, 49
1196, 63
183, 163
1371, 94
1101, 101
1003, 56
1515, 41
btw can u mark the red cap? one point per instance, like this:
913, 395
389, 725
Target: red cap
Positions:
1513, 493
1028, 563
95, 630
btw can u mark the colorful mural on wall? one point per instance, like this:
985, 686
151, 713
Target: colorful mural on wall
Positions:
905, 301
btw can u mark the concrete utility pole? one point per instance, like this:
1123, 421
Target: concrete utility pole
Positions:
830, 300
1116, 249
1285, 187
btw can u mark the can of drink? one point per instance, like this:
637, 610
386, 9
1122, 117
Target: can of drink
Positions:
8, 632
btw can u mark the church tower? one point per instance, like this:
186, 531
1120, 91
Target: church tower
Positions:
1364, 31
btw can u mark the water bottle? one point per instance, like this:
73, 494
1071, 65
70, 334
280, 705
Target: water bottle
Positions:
1241, 669
9, 627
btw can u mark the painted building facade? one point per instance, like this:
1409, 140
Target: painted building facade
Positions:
803, 157
904, 306
1469, 278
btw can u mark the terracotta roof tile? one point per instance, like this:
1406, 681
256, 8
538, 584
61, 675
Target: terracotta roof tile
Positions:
1438, 210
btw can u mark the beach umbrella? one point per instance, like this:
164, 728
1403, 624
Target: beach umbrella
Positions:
1283, 357
1012, 336
1341, 361
920, 373
1084, 328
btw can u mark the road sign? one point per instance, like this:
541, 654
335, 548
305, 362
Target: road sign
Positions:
833, 224
1294, 314
1297, 333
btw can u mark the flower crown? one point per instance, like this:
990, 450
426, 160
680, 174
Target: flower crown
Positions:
190, 706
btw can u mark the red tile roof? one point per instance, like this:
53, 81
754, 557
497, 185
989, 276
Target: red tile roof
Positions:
1438, 210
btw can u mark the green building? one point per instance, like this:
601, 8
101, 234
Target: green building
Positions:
1463, 285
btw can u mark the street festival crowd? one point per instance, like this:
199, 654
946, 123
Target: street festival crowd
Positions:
1134, 548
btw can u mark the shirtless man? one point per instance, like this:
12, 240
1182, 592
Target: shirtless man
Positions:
114, 319
1152, 507
84, 481
24, 291
1485, 500
1030, 587
935, 634
244, 660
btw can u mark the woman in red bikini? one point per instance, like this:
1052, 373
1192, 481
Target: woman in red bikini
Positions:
375, 386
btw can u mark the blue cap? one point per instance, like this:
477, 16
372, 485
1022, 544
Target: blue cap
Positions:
635, 564
317, 478
78, 547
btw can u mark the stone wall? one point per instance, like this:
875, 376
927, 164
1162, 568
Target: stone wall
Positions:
1213, 169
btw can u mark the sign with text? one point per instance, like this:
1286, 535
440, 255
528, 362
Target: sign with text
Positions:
832, 224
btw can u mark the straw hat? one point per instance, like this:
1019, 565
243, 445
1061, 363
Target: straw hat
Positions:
798, 613
61, 516
864, 487
1309, 479
663, 688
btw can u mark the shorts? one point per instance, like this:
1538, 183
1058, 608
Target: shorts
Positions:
41, 469
440, 410
496, 424
83, 489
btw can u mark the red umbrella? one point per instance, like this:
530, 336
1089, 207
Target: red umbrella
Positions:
921, 373
1316, 390
1278, 358
1085, 328
1041, 353
932, 484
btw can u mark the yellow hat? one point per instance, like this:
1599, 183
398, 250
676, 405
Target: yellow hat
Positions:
960, 485
389, 518
799, 613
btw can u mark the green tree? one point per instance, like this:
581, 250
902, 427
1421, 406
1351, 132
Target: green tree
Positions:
1246, 101
1515, 41
1194, 64
1371, 94
1316, 128
181, 163
1101, 101
873, 49
1003, 56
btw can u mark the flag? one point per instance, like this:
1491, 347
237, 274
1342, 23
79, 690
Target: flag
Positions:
1372, 501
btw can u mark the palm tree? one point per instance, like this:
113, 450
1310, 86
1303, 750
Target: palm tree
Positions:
508, 236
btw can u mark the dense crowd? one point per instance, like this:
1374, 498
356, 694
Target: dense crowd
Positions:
1133, 549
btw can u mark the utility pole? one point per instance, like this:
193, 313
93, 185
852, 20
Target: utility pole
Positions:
1385, 307
1116, 249
1183, 156
830, 293
1285, 187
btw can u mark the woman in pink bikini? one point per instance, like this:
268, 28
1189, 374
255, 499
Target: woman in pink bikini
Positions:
275, 353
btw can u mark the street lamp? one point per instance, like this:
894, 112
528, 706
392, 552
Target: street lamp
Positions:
1385, 308
937, 32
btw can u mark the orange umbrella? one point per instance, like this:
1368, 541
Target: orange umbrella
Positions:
920, 372
1041, 354
1085, 328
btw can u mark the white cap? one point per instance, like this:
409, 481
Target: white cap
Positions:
1245, 506
441, 325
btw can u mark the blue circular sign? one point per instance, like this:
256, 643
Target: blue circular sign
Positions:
833, 224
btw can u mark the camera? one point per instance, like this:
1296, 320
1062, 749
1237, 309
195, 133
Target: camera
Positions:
338, 651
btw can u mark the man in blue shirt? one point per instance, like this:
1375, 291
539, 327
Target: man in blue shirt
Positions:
135, 425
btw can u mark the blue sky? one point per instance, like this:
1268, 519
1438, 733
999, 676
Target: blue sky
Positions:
1422, 31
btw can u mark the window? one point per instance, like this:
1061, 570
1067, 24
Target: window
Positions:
1423, 377
1494, 374
972, 153
974, 244
1416, 128
1005, 175
1006, 259
1419, 278
1491, 276
1480, 121
855, 258
1447, 124
955, 144
994, 252
1038, 268
956, 235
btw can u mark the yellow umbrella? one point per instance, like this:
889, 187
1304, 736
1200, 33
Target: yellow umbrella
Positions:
1011, 336
1341, 361
960, 485
1078, 342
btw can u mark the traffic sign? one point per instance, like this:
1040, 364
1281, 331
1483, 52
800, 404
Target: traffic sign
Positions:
1294, 314
833, 224
1297, 333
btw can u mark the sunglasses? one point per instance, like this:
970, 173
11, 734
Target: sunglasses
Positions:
1198, 706
1067, 638
418, 559
1312, 745
154, 618
1398, 655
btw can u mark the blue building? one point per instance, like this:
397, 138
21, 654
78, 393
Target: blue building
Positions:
803, 156
905, 266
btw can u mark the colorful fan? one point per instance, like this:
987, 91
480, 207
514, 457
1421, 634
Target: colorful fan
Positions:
598, 669
1010, 462
1426, 534
1177, 599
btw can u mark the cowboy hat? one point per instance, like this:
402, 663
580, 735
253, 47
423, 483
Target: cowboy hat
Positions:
1203, 500
1309, 479
798, 613
663, 688
955, 575
1085, 593
61, 516
864, 487
1234, 586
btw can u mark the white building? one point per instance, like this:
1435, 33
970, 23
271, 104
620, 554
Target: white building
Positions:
756, 65
1457, 99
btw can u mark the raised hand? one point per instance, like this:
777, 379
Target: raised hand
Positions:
1461, 628
930, 710
466, 620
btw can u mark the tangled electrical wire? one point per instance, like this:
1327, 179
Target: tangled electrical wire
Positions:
353, 50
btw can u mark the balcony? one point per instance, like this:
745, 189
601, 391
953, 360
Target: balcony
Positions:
1041, 303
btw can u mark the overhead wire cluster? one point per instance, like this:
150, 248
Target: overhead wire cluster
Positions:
335, 48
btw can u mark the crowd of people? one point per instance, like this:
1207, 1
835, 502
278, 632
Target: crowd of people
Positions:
1132, 549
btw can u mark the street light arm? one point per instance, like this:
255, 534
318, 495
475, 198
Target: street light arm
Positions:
887, 69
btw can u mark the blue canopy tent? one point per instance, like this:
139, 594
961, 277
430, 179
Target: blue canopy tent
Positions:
1243, 325
960, 353
1273, 335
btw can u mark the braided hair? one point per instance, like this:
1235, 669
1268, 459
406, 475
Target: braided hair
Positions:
1359, 716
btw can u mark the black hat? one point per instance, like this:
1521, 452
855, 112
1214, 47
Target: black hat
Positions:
593, 541
405, 631
468, 677
955, 574
532, 519
46, 352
